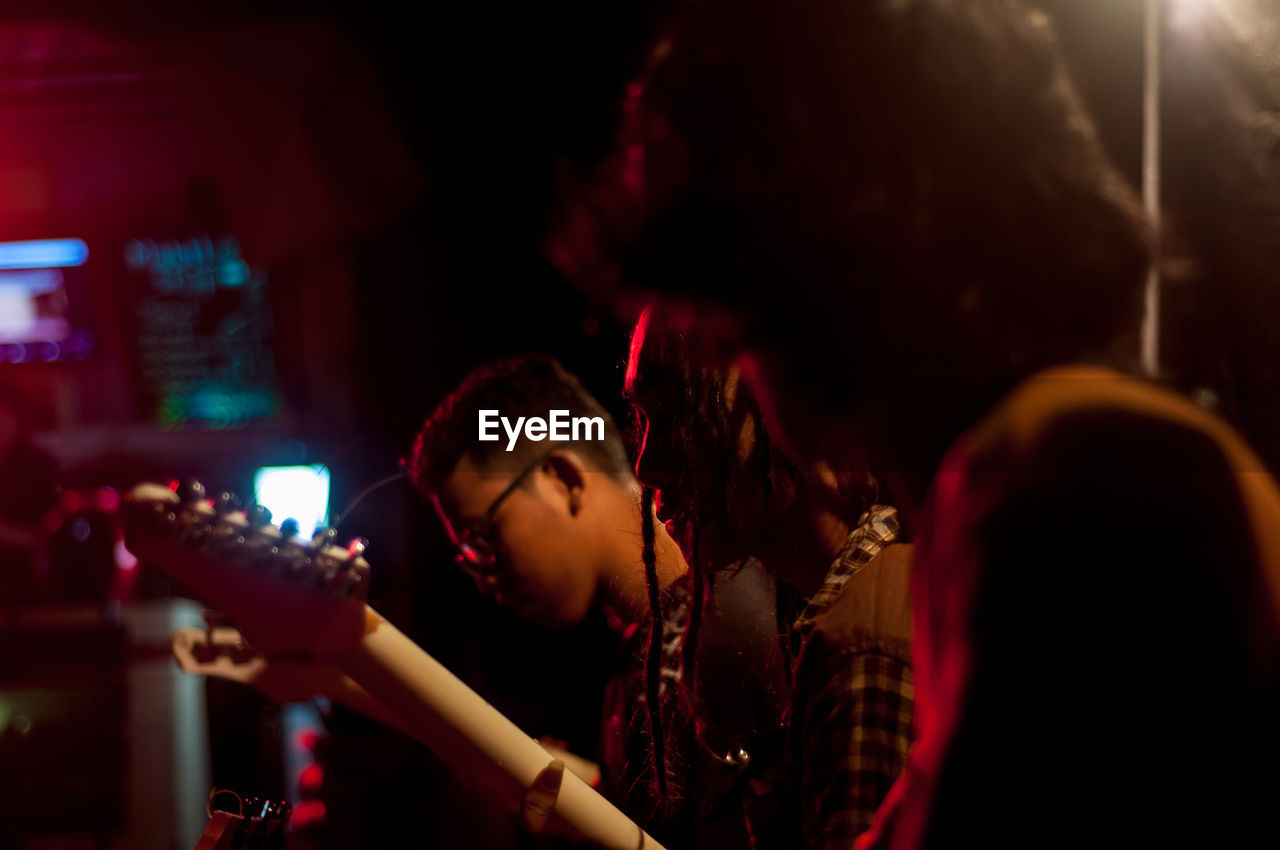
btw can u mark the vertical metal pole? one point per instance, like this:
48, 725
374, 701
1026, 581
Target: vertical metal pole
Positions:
1151, 180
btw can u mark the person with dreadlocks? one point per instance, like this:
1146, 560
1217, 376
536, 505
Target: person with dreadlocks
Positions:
832, 597
711, 679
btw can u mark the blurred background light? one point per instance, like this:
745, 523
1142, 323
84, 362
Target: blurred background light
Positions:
300, 493
43, 254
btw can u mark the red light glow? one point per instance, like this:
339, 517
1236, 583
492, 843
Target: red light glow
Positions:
307, 814
306, 740
311, 779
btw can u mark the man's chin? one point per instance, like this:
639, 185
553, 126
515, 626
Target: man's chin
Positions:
556, 621
532, 609
529, 609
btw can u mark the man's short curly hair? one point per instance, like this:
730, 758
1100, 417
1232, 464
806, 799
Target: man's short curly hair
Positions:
530, 385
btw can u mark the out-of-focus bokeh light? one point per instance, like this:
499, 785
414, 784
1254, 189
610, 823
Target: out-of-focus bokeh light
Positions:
294, 492
43, 254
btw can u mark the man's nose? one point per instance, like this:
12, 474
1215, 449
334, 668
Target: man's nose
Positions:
653, 466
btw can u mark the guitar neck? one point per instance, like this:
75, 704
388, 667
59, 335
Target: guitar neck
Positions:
290, 597
438, 709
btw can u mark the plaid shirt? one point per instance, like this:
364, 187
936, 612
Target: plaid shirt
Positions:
852, 708
876, 528
850, 714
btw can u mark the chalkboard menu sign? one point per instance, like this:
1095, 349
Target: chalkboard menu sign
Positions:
204, 331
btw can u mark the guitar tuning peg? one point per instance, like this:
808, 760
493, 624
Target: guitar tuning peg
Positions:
226, 502
259, 517
323, 537
190, 490
289, 528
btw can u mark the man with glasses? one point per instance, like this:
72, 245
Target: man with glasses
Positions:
548, 528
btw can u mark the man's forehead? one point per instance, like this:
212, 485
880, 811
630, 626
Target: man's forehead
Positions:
469, 490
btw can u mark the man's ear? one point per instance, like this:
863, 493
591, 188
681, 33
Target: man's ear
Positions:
568, 475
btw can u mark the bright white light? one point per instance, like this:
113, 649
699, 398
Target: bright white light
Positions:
43, 254
17, 314
1184, 13
1244, 19
294, 492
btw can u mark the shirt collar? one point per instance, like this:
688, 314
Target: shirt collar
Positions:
876, 528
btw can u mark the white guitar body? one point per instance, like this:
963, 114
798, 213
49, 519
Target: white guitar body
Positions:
288, 598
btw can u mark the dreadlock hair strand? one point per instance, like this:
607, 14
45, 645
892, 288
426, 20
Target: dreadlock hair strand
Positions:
653, 659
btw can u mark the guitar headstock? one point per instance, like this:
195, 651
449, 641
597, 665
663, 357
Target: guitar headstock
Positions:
286, 595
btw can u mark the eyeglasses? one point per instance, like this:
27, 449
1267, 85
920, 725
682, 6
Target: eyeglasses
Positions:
476, 552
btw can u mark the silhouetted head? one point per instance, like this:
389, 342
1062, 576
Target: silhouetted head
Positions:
895, 208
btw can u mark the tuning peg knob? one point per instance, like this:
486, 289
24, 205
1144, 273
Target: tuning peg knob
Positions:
259, 517
289, 528
323, 537
190, 491
226, 502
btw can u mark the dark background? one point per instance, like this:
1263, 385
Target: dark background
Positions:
394, 167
